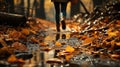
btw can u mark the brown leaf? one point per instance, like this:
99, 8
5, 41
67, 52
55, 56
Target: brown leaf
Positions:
15, 35
25, 31
33, 39
4, 44
19, 46
87, 41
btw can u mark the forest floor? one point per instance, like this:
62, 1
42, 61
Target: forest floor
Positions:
39, 45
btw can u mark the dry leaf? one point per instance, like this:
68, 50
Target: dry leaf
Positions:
15, 35
33, 39
19, 46
69, 49
118, 43
4, 44
87, 41
58, 44
55, 60
25, 31
43, 44
111, 33
13, 59
68, 57
115, 56
32, 31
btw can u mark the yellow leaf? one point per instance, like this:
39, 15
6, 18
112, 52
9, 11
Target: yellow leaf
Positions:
67, 35
69, 49
118, 44
112, 34
67, 57
58, 43
113, 42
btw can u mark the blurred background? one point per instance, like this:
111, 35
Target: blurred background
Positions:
44, 9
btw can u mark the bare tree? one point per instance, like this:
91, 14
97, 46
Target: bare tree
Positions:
22, 7
28, 8
40, 12
10, 5
99, 2
75, 9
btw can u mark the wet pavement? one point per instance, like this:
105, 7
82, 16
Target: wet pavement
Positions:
38, 56
46, 53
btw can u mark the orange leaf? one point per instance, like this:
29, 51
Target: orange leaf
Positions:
67, 57
25, 31
12, 59
69, 49
118, 44
20, 60
110, 32
58, 43
87, 41
43, 44
15, 35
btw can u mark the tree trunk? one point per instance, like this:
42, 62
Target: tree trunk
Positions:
40, 12
75, 9
28, 8
10, 5
22, 8
98, 2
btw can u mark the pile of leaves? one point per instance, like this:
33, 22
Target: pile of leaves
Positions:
14, 41
99, 34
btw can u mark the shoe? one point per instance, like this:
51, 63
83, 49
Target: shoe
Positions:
63, 36
63, 25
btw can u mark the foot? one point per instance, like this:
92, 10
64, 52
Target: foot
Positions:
63, 25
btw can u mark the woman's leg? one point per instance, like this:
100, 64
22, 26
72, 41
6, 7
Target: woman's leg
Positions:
57, 16
63, 10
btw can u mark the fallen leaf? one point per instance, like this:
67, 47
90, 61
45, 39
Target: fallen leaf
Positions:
87, 41
58, 44
25, 31
69, 49
19, 46
118, 43
55, 60
13, 59
68, 57
33, 39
